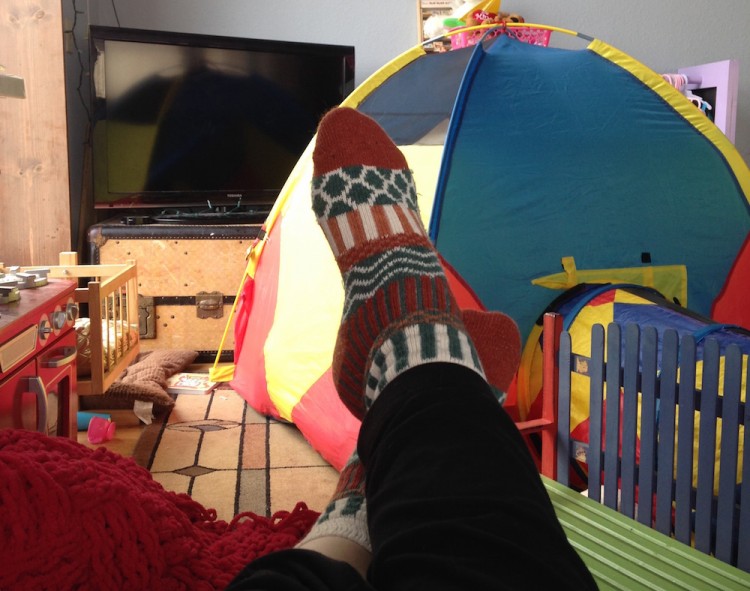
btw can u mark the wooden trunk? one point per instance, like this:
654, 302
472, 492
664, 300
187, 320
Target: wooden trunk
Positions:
188, 277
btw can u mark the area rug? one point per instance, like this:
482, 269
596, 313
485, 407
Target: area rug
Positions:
226, 456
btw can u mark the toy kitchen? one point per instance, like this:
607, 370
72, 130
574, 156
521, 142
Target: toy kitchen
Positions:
37, 352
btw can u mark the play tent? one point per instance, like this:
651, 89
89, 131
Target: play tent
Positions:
537, 168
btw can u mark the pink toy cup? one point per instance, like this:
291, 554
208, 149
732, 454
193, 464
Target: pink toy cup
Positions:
100, 430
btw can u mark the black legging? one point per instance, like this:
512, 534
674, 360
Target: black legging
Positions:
454, 500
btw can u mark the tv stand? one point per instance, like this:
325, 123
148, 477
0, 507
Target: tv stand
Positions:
189, 216
248, 216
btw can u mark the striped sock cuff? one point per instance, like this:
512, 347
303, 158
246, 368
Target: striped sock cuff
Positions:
415, 345
344, 518
364, 224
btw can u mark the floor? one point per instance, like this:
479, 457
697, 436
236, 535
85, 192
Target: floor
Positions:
127, 433
293, 465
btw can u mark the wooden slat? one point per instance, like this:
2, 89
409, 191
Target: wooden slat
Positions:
725, 511
552, 325
535, 426
563, 424
86, 271
68, 258
666, 432
596, 375
685, 440
631, 369
743, 541
612, 416
649, 356
95, 335
707, 443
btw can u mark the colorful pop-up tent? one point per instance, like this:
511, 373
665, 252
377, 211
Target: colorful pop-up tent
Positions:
538, 168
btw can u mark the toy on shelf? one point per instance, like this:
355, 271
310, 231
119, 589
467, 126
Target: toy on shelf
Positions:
467, 24
440, 18
482, 17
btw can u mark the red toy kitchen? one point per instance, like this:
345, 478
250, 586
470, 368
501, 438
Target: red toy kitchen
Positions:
37, 352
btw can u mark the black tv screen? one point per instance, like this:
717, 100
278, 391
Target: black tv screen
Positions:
196, 121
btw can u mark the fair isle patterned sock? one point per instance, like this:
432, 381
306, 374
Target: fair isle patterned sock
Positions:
498, 342
346, 513
398, 308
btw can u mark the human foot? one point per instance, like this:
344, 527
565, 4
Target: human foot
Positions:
345, 516
398, 310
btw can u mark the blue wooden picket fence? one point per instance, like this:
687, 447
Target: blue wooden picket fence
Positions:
696, 497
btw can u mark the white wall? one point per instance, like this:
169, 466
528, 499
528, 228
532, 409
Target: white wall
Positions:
663, 35
378, 29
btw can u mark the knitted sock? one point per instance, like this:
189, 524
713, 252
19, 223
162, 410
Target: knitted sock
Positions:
398, 308
498, 342
346, 513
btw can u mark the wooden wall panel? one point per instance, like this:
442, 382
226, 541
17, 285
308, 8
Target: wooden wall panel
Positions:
34, 191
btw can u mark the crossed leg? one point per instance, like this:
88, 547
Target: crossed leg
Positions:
443, 493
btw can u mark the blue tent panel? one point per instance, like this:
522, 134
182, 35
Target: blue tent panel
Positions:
561, 152
419, 97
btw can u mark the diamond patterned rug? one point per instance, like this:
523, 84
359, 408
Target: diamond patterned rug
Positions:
225, 455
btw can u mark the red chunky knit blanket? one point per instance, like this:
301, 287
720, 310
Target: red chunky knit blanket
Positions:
75, 518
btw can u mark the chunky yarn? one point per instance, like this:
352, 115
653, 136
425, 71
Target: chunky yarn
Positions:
76, 518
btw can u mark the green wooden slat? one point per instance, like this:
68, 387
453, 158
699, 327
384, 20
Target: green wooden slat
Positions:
616, 559
624, 554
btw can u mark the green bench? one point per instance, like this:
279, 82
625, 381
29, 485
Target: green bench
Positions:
624, 554
694, 532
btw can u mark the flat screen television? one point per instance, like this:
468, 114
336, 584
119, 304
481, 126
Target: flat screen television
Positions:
199, 123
